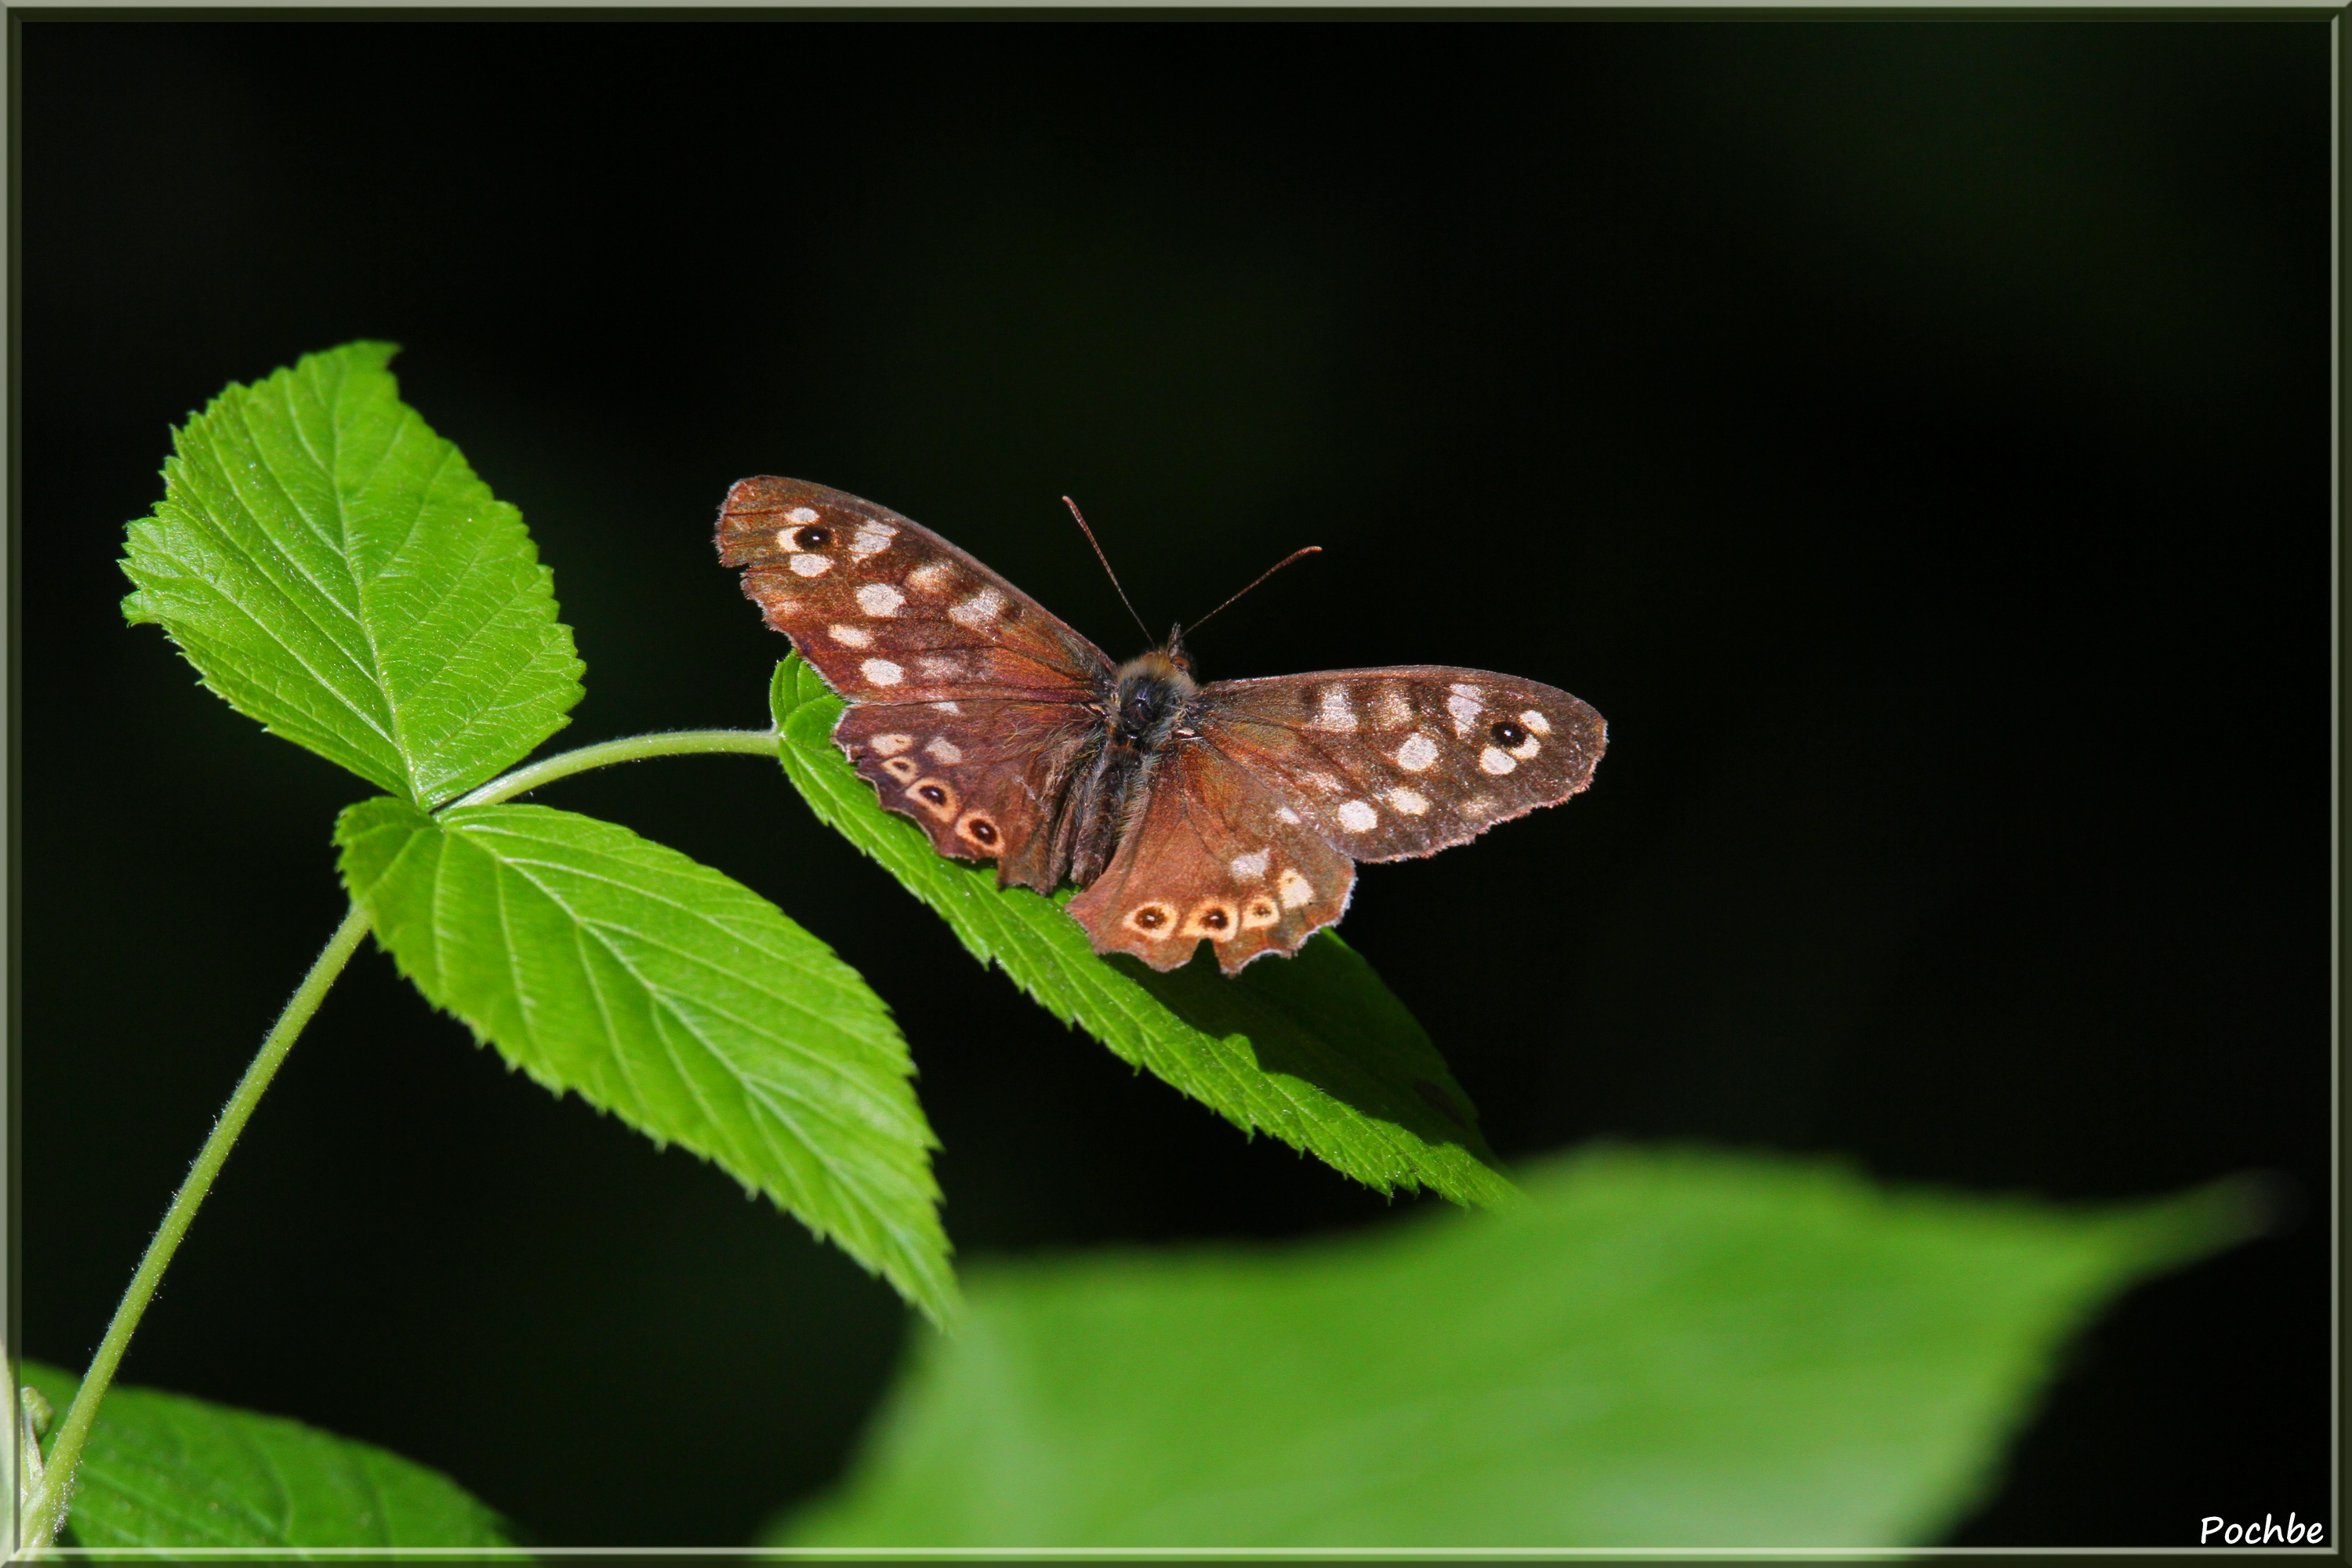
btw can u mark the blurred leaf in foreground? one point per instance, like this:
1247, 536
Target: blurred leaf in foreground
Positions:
1312, 1049
336, 571
673, 996
164, 1471
1661, 1349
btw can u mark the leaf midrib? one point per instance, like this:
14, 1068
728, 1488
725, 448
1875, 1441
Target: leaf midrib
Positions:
1082, 995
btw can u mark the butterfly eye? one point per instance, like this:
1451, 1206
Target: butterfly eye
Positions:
815, 537
1506, 733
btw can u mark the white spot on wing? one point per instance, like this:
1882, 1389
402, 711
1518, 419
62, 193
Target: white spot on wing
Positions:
1393, 709
980, 611
1356, 816
811, 565
850, 636
802, 515
1284, 814
1464, 709
1326, 782
948, 707
1335, 713
946, 751
1527, 748
1411, 802
1252, 866
1294, 889
882, 672
879, 599
871, 539
1536, 721
940, 667
931, 578
1497, 761
1418, 754
891, 745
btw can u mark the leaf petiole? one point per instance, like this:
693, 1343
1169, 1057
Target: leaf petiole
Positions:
630, 749
45, 1516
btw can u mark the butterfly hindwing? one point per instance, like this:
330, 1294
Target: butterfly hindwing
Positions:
885, 610
1388, 764
1213, 857
978, 774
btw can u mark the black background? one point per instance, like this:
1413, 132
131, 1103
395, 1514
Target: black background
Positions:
1912, 435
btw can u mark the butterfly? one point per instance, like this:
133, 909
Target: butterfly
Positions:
1231, 812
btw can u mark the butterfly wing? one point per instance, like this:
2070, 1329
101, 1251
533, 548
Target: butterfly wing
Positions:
982, 776
970, 702
1388, 764
1215, 854
887, 610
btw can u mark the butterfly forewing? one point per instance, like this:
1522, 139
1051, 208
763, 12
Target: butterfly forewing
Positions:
1215, 857
887, 610
1390, 764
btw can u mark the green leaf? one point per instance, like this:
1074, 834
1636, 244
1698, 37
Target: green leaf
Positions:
165, 1470
336, 571
1660, 1349
1312, 1049
672, 996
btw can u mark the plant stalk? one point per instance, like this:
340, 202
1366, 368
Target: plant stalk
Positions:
631, 748
47, 1514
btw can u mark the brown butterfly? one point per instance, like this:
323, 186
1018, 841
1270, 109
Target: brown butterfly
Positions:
1233, 811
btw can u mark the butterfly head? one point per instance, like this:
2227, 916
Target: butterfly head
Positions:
1154, 689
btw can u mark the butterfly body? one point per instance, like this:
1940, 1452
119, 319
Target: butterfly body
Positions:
1231, 812
1140, 715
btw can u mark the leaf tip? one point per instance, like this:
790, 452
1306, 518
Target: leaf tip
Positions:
2214, 1218
363, 353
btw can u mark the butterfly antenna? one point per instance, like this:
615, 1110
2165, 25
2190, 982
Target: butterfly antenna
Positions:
1106, 565
1204, 620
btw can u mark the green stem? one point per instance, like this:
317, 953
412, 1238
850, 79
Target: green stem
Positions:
635, 748
46, 1515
